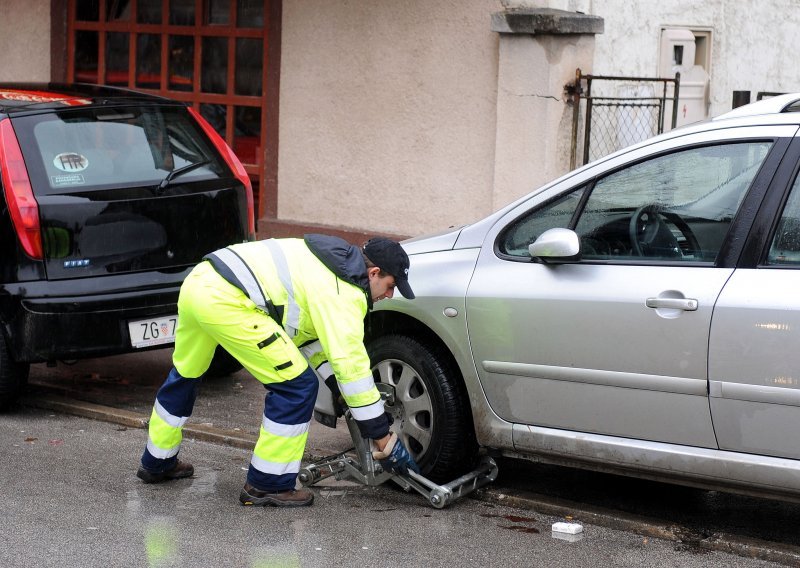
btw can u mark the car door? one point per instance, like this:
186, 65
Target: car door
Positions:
754, 360
615, 343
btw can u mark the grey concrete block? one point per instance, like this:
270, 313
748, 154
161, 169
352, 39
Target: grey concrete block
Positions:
546, 21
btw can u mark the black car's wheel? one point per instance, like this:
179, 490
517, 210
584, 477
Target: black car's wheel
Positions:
222, 365
431, 412
13, 376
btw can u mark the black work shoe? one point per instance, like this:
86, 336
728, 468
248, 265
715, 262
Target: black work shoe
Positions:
289, 498
177, 471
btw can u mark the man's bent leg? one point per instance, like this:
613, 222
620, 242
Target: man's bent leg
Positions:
194, 349
174, 404
272, 475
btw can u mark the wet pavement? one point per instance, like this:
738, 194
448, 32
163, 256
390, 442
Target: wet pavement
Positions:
130, 382
228, 410
70, 499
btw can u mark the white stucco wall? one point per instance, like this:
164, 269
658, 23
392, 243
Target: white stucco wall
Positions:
750, 41
25, 40
387, 113
534, 128
404, 117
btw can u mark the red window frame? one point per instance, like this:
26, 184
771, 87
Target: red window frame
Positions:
258, 153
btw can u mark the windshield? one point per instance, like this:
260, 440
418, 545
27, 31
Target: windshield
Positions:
78, 150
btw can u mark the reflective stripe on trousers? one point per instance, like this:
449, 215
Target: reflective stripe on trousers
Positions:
288, 408
173, 406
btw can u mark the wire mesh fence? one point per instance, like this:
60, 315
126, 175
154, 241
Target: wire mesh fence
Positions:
616, 125
620, 111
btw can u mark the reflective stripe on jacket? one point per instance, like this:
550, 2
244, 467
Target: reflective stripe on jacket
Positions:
314, 304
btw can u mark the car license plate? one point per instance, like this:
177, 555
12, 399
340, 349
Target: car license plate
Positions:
148, 332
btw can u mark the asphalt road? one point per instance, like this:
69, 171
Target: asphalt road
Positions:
70, 498
228, 411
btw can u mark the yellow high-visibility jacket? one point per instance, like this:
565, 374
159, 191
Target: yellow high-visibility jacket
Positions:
318, 289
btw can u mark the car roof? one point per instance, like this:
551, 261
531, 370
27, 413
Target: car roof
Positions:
789, 102
25, 97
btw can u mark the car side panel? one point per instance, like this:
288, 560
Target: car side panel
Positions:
754, 363
576, 347
701, 467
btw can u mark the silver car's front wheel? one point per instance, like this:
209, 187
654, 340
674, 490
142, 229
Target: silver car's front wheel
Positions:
412, 407
431, 413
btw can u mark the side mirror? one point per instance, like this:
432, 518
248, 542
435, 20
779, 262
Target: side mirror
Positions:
556, 246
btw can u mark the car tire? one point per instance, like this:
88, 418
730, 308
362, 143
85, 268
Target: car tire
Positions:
431, 413
13, 375
222, 365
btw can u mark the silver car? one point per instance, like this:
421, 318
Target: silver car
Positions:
640, 315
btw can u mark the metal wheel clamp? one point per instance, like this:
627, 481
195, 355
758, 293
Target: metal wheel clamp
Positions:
357, 463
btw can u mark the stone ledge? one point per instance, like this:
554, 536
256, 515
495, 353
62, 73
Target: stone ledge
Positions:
546, 21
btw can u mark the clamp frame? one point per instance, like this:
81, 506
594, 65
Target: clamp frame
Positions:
357, 463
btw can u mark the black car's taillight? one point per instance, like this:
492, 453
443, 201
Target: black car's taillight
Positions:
18, 191
234, 164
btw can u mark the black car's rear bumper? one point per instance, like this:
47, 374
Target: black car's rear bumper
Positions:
79, 326
46, 331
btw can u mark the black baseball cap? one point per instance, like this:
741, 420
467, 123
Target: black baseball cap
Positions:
390, 257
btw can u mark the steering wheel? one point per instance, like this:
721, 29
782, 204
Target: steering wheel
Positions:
650, 234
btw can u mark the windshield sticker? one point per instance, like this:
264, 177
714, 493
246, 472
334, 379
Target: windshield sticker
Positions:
67, 179
71, 162
34, 97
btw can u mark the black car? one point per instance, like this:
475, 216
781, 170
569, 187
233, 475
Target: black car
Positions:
110, 198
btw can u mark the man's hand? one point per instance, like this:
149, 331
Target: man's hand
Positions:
393, 455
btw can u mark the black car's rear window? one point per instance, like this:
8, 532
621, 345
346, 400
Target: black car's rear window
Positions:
111, 147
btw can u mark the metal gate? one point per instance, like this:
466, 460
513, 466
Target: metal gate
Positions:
619, 111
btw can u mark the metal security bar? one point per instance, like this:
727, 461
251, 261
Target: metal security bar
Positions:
620, 111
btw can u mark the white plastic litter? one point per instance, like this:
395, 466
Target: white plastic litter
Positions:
567, 537
567, 528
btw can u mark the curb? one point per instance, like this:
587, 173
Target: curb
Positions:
200, 432
543, 504
647, 527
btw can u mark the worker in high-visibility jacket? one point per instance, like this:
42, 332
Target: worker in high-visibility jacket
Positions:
276, 306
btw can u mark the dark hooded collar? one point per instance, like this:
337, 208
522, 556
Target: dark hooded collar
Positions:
342, 258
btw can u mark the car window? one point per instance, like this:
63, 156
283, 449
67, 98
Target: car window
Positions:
81, 149
557, 214
785, 248
675, 207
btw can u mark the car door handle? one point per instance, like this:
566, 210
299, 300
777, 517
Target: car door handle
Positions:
686, 304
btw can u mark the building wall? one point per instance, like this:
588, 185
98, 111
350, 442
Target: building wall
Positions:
749, 41
25, 40
404, 112
534, 114
387, 113
408, 117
